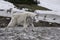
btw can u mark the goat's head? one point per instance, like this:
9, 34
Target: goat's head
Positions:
35, 19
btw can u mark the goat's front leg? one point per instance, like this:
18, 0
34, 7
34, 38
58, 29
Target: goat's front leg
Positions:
11, 24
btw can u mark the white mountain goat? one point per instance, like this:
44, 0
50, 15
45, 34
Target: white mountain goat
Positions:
25, 18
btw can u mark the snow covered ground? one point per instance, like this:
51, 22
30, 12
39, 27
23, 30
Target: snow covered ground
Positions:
6, 5
5, 14
49, 16
50, 4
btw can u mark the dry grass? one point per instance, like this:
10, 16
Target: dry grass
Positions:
33, 7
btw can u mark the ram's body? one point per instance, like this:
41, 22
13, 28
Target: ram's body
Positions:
24, 18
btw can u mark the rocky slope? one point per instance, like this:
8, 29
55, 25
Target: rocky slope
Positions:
38, 33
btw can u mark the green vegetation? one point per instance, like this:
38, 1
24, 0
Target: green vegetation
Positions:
30, 4
32, 7
22, 1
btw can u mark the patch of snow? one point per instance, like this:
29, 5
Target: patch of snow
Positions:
49, 16
6, 5
47, 12
17, 10
50, 4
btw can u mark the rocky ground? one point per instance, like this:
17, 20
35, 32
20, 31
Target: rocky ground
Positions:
4, 21
38, 33
47, 32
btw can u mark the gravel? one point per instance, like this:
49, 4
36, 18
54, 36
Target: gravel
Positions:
37, 33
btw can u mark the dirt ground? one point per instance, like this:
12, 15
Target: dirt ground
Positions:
5, 20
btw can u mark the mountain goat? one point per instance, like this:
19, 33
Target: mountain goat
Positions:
25, 18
